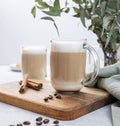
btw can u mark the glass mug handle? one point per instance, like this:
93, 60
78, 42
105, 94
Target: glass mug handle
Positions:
96, 64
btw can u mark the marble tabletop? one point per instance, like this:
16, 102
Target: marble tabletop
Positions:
11, 115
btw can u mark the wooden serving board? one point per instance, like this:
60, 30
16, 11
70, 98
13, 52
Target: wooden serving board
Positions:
69, 107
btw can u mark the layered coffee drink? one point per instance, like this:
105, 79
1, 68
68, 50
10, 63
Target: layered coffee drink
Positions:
34, 62
68, 63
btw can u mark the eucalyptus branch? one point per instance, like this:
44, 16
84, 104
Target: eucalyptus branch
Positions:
103, 14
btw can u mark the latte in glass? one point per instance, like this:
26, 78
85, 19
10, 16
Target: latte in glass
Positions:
34, 62
67, 66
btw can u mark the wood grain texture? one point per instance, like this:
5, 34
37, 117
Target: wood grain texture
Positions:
71, 106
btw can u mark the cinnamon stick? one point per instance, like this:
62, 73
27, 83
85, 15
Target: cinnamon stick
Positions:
36, 86
33, 85
24, 84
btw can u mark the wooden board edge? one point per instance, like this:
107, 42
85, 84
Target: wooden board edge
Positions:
60, 114
91, 108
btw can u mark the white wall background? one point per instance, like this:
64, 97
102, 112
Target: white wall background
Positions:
18, 28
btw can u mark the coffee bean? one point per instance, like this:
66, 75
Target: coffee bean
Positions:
46, 121
55, 93
20, 124
57, 125
46, 99
38, 123
56, 122
58, 96
50, 97
39, 119
26, 122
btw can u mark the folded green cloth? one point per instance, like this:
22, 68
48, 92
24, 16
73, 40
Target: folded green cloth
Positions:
109, 79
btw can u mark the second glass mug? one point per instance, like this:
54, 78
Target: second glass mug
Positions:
68, 63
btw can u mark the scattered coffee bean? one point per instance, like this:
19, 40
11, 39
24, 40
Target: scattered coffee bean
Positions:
46, 121
55, 93
56, 122
46, 99
19, 124
50, 97
39, 119
38, 123
26, 122
58, 96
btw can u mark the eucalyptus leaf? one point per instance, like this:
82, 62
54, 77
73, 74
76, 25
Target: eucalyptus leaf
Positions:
107, 20
99, 3
109, 10
110, 34
88, 16
57, 4
40, 8
95, 6
42, 4
76, 10
102, 32
48, 18
56, 28
52, 13
33, 11
118, 21
77, 1
76, 15
51, 19
103, 7
55, 7
82, 16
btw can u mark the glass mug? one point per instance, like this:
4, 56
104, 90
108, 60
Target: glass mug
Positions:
68, 63
34, 62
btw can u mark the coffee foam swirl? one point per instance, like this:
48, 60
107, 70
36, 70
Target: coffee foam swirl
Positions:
34, 50
65, 46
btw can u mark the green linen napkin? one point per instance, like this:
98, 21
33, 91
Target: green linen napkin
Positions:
109, 79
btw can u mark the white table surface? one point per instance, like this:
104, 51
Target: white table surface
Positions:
13, 115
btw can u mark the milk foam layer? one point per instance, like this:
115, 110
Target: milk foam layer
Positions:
67, 46
34, 50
